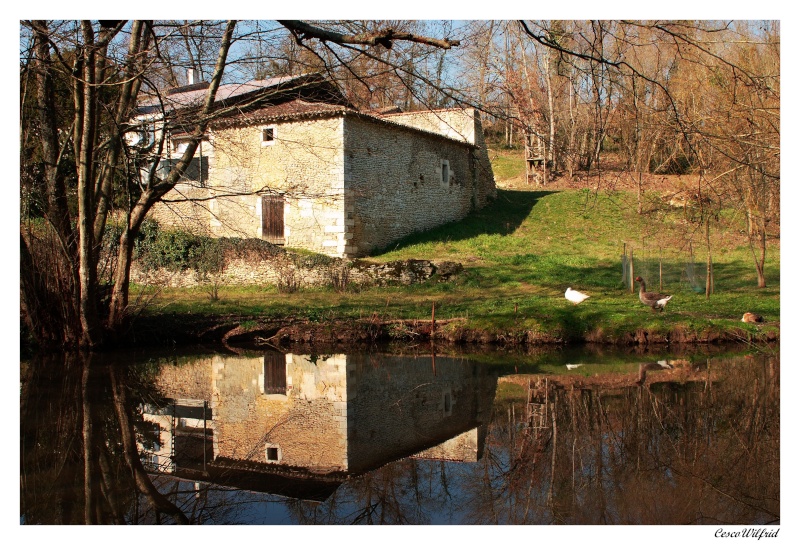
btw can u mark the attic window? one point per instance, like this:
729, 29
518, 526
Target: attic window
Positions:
267, 136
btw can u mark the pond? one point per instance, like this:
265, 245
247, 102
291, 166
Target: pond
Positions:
243, 436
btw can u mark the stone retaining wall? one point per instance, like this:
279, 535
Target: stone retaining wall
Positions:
291, 271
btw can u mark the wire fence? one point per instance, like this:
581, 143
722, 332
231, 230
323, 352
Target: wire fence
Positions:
663, 270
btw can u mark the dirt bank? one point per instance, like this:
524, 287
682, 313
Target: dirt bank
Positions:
187, 329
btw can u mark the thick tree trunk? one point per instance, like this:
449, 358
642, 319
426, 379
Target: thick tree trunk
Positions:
57, 211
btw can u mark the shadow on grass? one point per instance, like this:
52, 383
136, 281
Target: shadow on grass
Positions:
502, 216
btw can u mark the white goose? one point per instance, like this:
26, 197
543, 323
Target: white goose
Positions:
575, 297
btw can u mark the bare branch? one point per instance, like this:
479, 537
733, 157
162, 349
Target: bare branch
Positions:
303, 31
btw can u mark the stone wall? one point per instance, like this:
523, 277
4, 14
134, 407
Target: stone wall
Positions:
454, 123
304, 164
303, 424
395, 186
186, 381
460, 124
407, 404
293, 271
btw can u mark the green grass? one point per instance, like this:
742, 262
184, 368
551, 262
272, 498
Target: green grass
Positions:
520, 253
507, 164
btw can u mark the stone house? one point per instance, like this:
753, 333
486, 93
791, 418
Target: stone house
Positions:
291, 162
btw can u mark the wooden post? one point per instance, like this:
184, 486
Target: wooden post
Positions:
660, 286
631, 269
433, 319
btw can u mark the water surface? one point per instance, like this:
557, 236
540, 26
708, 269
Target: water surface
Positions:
266, 437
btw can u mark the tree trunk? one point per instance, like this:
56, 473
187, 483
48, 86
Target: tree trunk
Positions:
757, 237
88, 457
756, 233
119, 295
87, 270
572, 129
549, 157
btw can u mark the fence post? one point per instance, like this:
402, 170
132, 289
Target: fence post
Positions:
631, 269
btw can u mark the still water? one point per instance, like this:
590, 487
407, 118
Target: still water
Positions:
255, 437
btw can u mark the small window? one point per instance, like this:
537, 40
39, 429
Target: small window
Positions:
272, 453
267, 136
447, 403
445, 166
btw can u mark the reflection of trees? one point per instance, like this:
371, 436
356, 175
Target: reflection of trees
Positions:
78, 450
405, 492
79, 463
703, 452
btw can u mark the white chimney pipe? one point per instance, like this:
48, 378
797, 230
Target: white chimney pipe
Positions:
190, 76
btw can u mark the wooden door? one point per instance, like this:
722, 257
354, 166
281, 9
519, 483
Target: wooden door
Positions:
272, 218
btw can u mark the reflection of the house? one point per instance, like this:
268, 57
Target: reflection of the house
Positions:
298, 425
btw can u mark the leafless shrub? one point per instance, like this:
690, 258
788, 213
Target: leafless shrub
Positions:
339, 275
289, 277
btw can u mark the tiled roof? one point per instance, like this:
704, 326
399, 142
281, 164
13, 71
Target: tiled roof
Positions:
194, 96
294, 109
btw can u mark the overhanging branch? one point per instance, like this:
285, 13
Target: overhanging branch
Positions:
304, 31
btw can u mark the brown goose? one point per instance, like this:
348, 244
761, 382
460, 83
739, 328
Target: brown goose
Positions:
656, 301
751, 317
